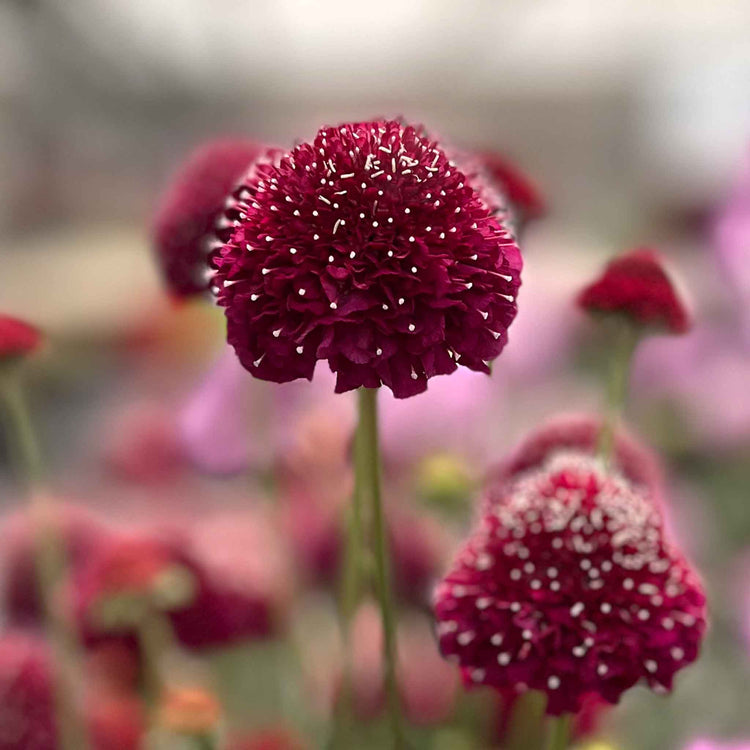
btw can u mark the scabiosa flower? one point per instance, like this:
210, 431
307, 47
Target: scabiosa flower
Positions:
17, 338
524, 196
570, 586
637, 286
371, 249
187, 215
579, 432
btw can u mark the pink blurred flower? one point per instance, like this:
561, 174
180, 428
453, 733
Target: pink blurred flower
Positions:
17, 338
706, 744
82, 536
732, 241
705, 374
428, 686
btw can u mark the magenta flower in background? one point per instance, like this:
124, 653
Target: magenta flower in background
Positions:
570, 586
370, 249
706, 744
17, 338
187, 216
578, 432
525, 198
637, 286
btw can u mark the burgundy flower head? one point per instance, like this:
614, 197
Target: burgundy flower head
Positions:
371, 249
186, 217
570, 586
637, 286
579, 433
528, 203
17, 339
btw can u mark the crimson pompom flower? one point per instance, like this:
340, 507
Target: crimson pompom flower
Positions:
371, 249
581, 433
524, 196
187, 216
637, 286
570, 586
17, 338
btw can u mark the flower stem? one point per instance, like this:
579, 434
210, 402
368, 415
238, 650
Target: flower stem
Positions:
154, 635
367, 479
625, 340
49, 562
558, 732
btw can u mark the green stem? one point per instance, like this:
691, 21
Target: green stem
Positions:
154, 639
49, 562
204, 741
368, 481
559, 732
626, 338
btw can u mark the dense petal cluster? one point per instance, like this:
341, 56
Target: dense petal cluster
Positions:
17, 338
371, 249
580, 432
188, 213
524, 196
570, 586
637, 286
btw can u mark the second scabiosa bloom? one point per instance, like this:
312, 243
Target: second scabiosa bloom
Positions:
369, 248
571, 586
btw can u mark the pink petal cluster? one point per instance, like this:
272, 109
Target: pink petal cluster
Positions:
190, 208
524, 196
637, 286
369, 248
570, 586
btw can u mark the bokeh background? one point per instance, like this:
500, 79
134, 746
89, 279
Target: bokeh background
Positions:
633, 118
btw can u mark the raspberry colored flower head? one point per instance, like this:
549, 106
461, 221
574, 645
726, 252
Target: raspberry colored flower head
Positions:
637, 286
580, 432
570, 586
524, 196
188, 213
17, 338
371, 249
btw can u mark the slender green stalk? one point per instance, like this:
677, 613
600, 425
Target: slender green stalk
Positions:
626, 338
559, 732
49, 560
368, 480
154, 639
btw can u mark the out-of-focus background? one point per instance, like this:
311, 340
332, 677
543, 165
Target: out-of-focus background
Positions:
633, 118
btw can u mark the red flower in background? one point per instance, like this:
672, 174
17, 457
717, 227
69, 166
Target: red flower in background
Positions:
81, 535
17, 338
27, 716
637, 286
204, 602
569, 586
370, 249
187, 216
578, 432
524, 196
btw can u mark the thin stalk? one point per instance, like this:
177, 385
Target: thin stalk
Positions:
626, 338
49, 563
368, 479
154, 640
559, 732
